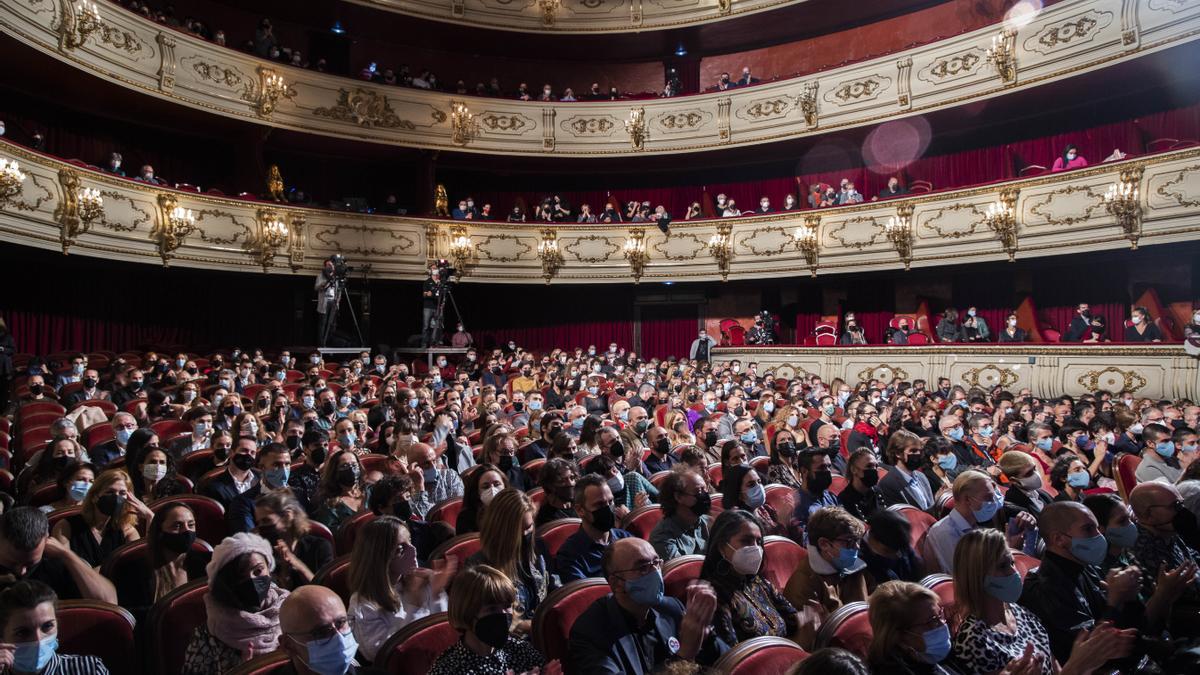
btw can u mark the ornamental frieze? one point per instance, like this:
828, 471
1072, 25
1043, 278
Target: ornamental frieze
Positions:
1077, 30
366, 108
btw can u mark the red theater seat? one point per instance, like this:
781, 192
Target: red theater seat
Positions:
417, 645
108, 407
781, 498
679, 572
463, 546
348, 532
446, 511
780, 558
555, 532
642, 520
918, 519
134, 551
943, 586
171, 622
98, 629
557, 613
276, 662
210, 515
847, 628
320, 530
336, 575
1127, 474
761, 656
1024, 563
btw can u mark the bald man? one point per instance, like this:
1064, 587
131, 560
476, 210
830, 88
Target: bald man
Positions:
1162, 524
636, 629
316, 633
1066, 592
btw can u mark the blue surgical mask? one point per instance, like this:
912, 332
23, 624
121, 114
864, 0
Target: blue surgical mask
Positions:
769, 407
348, 439
988, 511
624, 415
937, 644
1165, 448
749, 437
755, 497
1045, 444
123, 435
413, 403
79, 490
577, 422
430, 476
1090, 550
956, 433
1079, 479
308, 401
986, 432
1124, 536
793, 420
332, 656
829, 410
948, 462
1006, 588
710, 405
32, 657
535, 405
278, 478
593, 390
845, 559
646, 590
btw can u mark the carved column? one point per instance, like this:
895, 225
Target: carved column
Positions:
166, 61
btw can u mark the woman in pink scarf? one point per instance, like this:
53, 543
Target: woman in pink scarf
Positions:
242, 605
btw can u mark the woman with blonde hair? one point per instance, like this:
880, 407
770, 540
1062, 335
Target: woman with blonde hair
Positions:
908, 631
507, 543
994, 631
388, 596
790, 417
481, 610
108, 519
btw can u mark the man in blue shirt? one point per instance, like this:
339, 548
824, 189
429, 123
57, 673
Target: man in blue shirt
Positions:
816, 471
580, 555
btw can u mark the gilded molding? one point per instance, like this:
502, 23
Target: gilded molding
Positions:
990, 376
1112, 379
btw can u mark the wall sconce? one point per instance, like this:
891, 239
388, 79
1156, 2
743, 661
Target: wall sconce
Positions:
11, 178
808, 103
1123, 203
635, 126
635, 252
808, 242
79, 208
721, 247
272, 234
549, 11
900, 233
461, 248
78, 22
1001, 217
463, 125
271, 88
174, 225
552, 258
1003, 55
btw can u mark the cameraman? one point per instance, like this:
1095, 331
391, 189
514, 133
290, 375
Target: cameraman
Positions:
326, 300
429, 303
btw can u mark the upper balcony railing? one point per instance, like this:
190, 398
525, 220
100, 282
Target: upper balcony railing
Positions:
51, 203
1064, 40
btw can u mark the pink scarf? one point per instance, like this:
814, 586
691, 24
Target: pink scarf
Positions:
239, 629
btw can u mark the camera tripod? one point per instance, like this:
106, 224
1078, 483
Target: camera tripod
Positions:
436, 328
340, 294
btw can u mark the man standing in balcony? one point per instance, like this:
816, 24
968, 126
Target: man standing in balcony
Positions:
702, 347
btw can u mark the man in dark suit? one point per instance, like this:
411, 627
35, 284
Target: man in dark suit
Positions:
636, 629
239, 477
746, 79
1081, 324
123, 425
904, 482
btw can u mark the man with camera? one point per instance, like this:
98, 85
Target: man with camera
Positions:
326, 289
430, 294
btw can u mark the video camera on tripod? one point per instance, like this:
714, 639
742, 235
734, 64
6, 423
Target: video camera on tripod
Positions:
341, 269
446, 274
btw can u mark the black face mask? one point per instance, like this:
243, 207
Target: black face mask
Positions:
60, 462
35, 389
243, 462
553, 432
492, 629
703, 504
710, 439
220, 453
89, 383
110, 505
252, 592
506, 463
270, 533
603, 518
617, 449
663, 446
402, 510
317, 455
820, 481
870, 478
914, 462
177, 542
518, 406
564, 493
292, 443
328, 407
786, 449
347, 475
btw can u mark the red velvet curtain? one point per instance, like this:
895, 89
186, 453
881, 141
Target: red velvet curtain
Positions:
1059, 317
668, 330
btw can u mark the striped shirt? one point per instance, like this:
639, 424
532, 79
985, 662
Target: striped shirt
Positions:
65, 664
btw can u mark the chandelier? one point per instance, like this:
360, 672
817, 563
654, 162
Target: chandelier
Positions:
272, 234
635, 126
271, 88
464, 127
74, 28
461, 248
807, 241
176, 224
1123, 203
1002, 55
549, 11
11, 178
1001, 217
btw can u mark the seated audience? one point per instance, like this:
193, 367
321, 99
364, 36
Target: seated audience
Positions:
976, 503
388, 596
748, 606
636, 629
1025, 492
579, 556
281, 520
1165, 528
557, 480
342, 492
482, 486
816, 472
107, 520
861, 496
74, 481
686, 522
481, 609
239, 475
153, 470
242, 606
29, 631
831, 575
909, 633
1011, 332
168, 561
507, 542
1070, 159
887, 549
315, 632
1143, 328
1158, 456
905, 483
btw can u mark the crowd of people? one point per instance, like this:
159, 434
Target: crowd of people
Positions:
725, 454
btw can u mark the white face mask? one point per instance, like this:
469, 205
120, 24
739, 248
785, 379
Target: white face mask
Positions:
154, 472
747, 560
1136, 320
487, 495
1012, 322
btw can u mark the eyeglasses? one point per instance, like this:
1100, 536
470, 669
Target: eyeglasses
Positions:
937, 620
327, 631
644, 568
1176, 505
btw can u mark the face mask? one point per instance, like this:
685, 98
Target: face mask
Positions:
616, 483
344, 401
89, 383
1079, 479
829, 410
956, 434
332, 656
308, 401
430, 476
177, 542
492, 629
1124, 536
845, 559
988, 510
646, 590
703, 504
1030, 483
710, 405
948, 462
870, 477
756, 496
1045, 444
937, 644
233, 410
505, 463
79, 490
413, 403
1012, 322
747, 560
189, 396
278, 478
220, 452
154, 472
251, 592
487, 495
348, 439
603, 518
1090, 550
577, 423
217, 398
1006, 588
123, 435
110, 505
347, 475
986, 432
243, 462
328, 408
1136, 428
750, 437
1165, 449
1136, 320
32, 657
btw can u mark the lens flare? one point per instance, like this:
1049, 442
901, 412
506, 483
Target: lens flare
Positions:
894, 145
1020, 14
